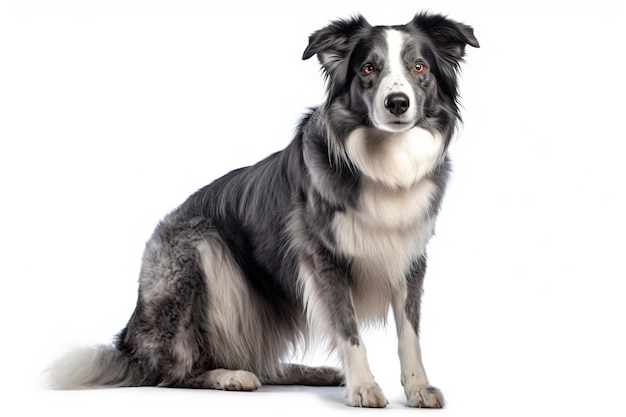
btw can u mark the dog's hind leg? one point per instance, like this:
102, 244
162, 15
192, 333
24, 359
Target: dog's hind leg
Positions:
223, 379
296, 374
167, 334
290, 374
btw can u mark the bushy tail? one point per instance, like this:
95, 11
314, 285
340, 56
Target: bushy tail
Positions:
92, 367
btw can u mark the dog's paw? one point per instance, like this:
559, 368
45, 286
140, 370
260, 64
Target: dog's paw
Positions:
366, 396
425, 396
238, 381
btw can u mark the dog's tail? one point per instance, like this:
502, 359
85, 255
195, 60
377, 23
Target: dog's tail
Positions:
92, 367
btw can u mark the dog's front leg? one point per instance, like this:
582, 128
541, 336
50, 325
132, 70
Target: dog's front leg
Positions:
406, 308
362, 389
330, 298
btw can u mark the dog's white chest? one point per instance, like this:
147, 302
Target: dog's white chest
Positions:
387, 232
392, 222
389, 227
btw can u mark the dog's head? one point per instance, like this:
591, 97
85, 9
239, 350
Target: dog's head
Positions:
393, 78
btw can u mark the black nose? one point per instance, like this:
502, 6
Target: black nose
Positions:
397, 103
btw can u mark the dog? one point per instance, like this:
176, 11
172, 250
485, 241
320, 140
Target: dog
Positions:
312, 241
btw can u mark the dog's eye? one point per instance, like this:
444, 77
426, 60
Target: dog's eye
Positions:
419, 67
368, 69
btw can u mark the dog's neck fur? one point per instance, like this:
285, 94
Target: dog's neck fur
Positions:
395, 160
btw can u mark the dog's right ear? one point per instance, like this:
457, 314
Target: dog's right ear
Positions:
334, 43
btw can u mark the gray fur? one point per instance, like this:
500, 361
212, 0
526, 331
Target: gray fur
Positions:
317, 238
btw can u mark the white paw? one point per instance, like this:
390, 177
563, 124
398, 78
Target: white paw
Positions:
424, 396
366, 396
238, 381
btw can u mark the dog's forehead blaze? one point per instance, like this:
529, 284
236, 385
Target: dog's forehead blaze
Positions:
383, 43
395, 42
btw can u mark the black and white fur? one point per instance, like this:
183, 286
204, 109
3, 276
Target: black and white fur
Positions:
314, 240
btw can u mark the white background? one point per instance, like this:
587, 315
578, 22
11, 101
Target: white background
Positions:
113, 112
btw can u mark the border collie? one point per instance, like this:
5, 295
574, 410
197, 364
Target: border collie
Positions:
313, 241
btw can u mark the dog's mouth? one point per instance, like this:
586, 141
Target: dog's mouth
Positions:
395, 125
384, 120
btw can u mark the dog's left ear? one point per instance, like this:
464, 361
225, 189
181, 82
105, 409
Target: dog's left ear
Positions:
448, 36
334, 43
